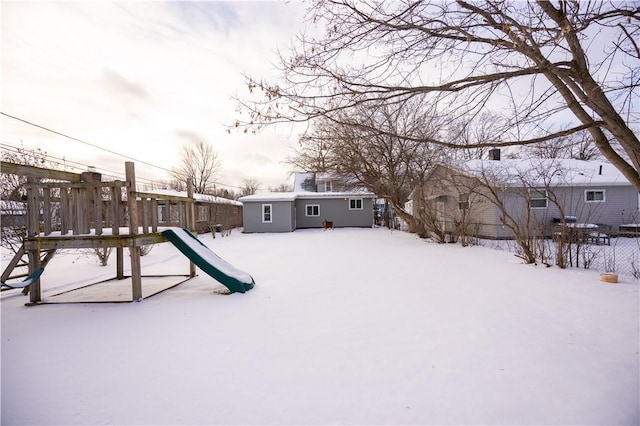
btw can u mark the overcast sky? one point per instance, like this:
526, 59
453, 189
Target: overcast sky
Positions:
142, 79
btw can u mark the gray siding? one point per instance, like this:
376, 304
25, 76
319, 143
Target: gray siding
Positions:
283, 216
620, 206
335, 210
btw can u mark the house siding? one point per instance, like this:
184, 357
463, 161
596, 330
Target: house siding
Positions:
619, 207
282, 216
445, 185
335, 210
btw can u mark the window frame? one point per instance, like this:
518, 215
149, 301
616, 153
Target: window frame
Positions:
595, 191
464, 202
306, 210
541, 191
264, 213
357, 201
325, 186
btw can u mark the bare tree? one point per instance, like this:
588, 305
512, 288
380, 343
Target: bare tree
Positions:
579, 146
354, 149
250, 186
515, 191
468, 130
283, 187
13, 195
199, 162
535, 62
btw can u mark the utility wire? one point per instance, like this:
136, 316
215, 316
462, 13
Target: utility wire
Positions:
74, 165
83, 142
101, 148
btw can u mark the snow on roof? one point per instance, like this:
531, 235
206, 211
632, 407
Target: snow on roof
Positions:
198, 197
555, 171
269, 196
301, 190
292, 196
302, 180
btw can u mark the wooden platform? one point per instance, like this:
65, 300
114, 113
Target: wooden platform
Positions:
56, 241
114, 291
80, 211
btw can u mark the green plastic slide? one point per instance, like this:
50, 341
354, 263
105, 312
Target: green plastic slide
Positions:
234, 279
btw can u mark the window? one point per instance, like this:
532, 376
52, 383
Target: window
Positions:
594, 196
312, 210
266, 213
325, 186
538, 198
463, 202
355, 203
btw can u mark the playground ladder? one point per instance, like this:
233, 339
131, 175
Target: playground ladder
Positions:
20, 261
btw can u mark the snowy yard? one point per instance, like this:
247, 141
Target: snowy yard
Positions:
348, 326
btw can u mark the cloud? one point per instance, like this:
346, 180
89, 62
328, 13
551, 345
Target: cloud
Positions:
189, 136
115, 81
141, 79
258, 159
219, 16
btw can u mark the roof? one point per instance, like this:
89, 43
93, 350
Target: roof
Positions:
554, 171
292, 196
301, 191
300, 179
269, 196
198, 197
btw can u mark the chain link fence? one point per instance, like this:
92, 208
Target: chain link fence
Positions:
603, 250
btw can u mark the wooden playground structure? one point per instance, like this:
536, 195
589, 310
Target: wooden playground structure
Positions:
80, 211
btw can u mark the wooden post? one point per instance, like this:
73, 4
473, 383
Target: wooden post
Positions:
64, 215
145, 203
190, 220
116, 203
76, 211
35, 293
136, 273
33, 222
97, 209
182, 215
46, 210
167, 213
154, 215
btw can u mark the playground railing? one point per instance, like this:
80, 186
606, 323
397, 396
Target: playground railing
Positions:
81, 208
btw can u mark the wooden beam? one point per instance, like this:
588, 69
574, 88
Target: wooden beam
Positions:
113, 184
93, 241
38, 172
174, 198
134, 252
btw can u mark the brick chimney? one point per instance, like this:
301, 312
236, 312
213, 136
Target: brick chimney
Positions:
494, 154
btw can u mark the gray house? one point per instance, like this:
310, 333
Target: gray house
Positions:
316, 198
485, 195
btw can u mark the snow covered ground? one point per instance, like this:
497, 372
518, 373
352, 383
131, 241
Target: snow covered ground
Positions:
348, 326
